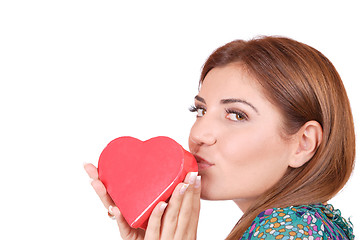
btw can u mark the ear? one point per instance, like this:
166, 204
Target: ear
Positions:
306, 142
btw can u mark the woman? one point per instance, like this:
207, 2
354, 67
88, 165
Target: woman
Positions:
274, 133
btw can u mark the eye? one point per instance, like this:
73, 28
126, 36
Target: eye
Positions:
234, 115
200, 110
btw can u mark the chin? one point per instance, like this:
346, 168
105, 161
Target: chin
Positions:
205, 195
212, 196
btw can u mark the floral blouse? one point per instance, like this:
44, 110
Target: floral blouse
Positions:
310, 222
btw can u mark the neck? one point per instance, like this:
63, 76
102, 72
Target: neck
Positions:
243, 204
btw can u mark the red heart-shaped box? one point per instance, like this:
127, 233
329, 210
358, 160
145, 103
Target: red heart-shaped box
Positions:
138, 175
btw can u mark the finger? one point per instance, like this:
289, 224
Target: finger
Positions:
91, 170
98, 185
194, 219
186, 207
196, 195
170, 218
154, 225
125, 229
102, 193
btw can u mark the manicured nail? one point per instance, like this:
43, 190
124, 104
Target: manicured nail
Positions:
183, 189
163, 206
197, 182
110, 210
192, 177
110, 213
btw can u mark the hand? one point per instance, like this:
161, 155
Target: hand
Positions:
176, 220
126, 231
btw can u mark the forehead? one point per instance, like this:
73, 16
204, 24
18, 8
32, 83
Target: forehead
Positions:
230, 81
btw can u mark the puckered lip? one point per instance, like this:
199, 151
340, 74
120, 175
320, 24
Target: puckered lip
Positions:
202, 160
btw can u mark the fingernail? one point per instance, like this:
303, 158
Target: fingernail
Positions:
110, 210
110, 213
192, 177
163, 206
197, 182
91, 180
183, 189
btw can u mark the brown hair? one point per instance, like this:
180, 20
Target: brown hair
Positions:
305, 86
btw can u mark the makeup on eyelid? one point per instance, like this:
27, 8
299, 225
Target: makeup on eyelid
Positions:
242, 116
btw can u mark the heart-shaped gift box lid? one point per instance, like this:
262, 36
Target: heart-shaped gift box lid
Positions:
137, 175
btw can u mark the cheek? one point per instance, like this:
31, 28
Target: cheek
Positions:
253, 146
258, 161
246, 147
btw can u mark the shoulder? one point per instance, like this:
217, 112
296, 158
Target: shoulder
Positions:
300, 222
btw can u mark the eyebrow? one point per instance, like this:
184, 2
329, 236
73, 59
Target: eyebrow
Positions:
229, 100
200, 99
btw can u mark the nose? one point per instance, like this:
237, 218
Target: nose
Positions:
203, 133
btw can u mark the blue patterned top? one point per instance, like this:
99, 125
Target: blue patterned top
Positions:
310, 222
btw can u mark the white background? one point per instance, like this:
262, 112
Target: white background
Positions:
77, 74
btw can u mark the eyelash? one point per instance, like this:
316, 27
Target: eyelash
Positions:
241, 114
196, 109
193, 108
228, 111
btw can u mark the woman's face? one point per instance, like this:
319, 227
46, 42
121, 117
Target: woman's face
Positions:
237, 137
